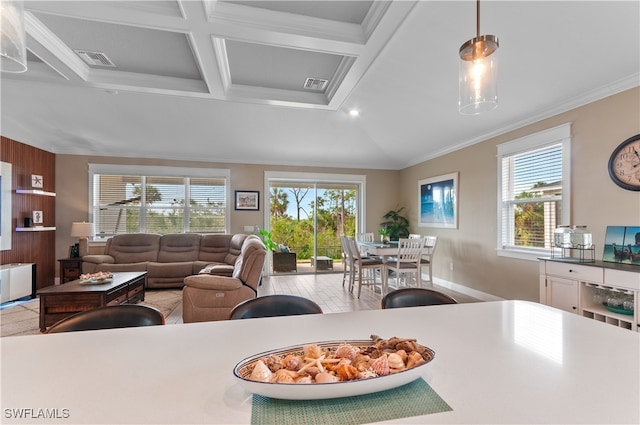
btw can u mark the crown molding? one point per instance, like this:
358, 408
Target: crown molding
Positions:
591, 96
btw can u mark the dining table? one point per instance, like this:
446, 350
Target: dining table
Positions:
378, 249
385, 250
498, 362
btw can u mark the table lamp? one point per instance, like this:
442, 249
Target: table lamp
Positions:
83, 231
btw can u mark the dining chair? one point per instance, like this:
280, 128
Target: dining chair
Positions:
428, 252
109, 317
415, 297
364, 237
366, 269
274, 305
406, 263
347, 262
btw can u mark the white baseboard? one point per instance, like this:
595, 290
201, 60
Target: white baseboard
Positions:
465, 290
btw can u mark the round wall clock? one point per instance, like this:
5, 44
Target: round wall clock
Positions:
624, 164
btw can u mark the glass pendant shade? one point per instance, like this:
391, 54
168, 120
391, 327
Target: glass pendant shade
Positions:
478, 77
13, 49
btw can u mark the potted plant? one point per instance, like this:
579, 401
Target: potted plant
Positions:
396, 224
384, 235
283, 260
268, 242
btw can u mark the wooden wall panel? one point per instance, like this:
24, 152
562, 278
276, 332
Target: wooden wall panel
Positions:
31, 247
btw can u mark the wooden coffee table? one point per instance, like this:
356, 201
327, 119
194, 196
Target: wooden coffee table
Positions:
60, 301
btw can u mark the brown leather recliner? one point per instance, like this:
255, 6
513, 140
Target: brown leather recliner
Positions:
208, 297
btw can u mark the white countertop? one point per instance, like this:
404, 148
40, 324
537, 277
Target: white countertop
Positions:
496, 362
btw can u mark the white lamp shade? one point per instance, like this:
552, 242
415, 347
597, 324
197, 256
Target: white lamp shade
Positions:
13, 40
82, 230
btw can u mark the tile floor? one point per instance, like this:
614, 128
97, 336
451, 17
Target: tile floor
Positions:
325, 289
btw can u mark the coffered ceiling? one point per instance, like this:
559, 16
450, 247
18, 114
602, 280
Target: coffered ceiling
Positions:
274, 81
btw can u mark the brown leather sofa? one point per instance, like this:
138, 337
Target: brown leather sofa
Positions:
209, 297
168, 259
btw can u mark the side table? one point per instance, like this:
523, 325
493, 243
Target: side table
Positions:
70, 269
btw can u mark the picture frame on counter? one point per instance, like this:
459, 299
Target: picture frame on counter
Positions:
622, 245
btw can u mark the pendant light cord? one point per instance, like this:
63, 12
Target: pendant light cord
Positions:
478, 19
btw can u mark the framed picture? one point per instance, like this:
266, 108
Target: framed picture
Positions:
36, 181
248, 200
74, 251
622, 245
37, 217
438, 205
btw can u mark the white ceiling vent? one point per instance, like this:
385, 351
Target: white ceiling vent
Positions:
315, 83
95, 58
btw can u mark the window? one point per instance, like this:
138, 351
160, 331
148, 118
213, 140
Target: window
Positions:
533, 191
308, 212
160, 200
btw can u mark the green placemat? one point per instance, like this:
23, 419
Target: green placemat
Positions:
413, 399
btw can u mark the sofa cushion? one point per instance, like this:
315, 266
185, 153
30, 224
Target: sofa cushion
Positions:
169, 270
249, 264
218, 269
199, 265
235, 248
214, 248
179, 247
134, 248
127, 267
98, 259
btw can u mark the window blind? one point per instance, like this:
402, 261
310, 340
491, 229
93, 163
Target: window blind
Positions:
124, 203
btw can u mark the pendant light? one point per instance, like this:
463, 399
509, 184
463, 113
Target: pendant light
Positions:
13, 49
478, 72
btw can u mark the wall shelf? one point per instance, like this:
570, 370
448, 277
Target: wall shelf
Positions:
35, 192
34, 229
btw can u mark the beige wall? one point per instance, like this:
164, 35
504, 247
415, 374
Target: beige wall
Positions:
596, 130
72, 187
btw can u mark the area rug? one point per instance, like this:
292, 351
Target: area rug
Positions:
22, 317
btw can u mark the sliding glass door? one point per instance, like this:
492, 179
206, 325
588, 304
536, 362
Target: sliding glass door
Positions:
307, 216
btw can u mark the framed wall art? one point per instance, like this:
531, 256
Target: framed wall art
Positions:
438, 202
37, 217
36, 181
248, 200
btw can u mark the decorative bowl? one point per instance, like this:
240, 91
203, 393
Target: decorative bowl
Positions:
96, 281
317, 391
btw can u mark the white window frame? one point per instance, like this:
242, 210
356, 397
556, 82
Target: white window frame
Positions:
161, 171
560, 134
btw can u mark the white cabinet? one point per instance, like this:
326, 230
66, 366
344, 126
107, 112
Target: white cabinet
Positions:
562, 293
560, 283
584, 289
16, 281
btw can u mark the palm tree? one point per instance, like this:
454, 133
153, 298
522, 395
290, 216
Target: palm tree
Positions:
279, 202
